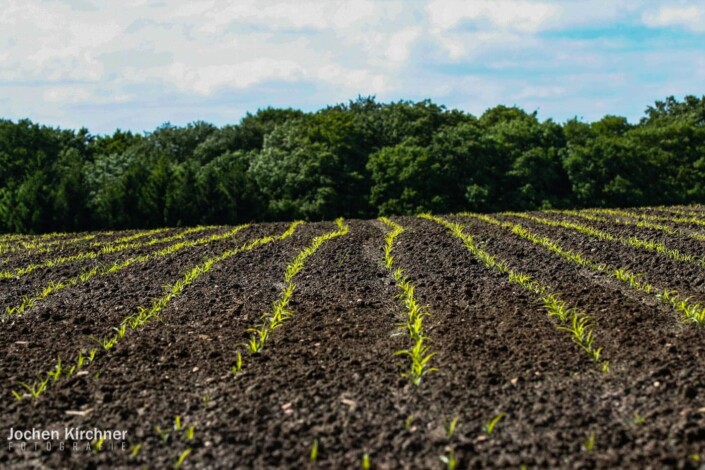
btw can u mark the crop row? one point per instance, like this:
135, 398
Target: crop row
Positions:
143, 315
691, 311
12, 237
688, 220
679, 211
280, 312
635, 242
109, 248
38, 246
420, 353
620, 220
54, 287
570, 319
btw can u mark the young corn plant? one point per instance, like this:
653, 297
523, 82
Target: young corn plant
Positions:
489, 427
420, 353
56, 373
35, 389
98, 445
313, 455
638, 420
366, 464
238, 364
163, 434
450, 427
409, 422
449, 460
135, 450
182, 458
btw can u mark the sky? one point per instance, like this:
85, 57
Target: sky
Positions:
136, 64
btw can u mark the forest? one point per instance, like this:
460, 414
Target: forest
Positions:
362, 159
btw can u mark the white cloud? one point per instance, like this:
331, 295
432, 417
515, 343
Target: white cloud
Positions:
510, 15
217, 16
204, 80
356, 81
159, 61
690, 17
540, 92
400, 44
66, 94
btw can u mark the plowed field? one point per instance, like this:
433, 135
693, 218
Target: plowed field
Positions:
538, 340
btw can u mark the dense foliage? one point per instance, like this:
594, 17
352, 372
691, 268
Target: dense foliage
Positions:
362, 159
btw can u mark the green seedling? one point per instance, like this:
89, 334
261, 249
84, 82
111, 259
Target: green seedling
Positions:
605, 367
638, 420
489, 427
80, 360
589, 442
121, 331
450, 460
238, 364
107, 343
189, 433
177, 423
162, 433
420, 355
409, 421
314, 451
98, 445
135, 450
17, 396
37, 388
207, 399
56, 373
257, 340
450, 427
366, 465
182, 458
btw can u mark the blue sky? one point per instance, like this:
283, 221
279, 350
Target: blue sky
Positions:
136, 64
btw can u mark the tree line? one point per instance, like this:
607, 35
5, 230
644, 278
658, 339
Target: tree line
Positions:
361, 159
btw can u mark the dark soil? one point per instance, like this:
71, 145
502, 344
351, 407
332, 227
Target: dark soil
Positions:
330, 374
